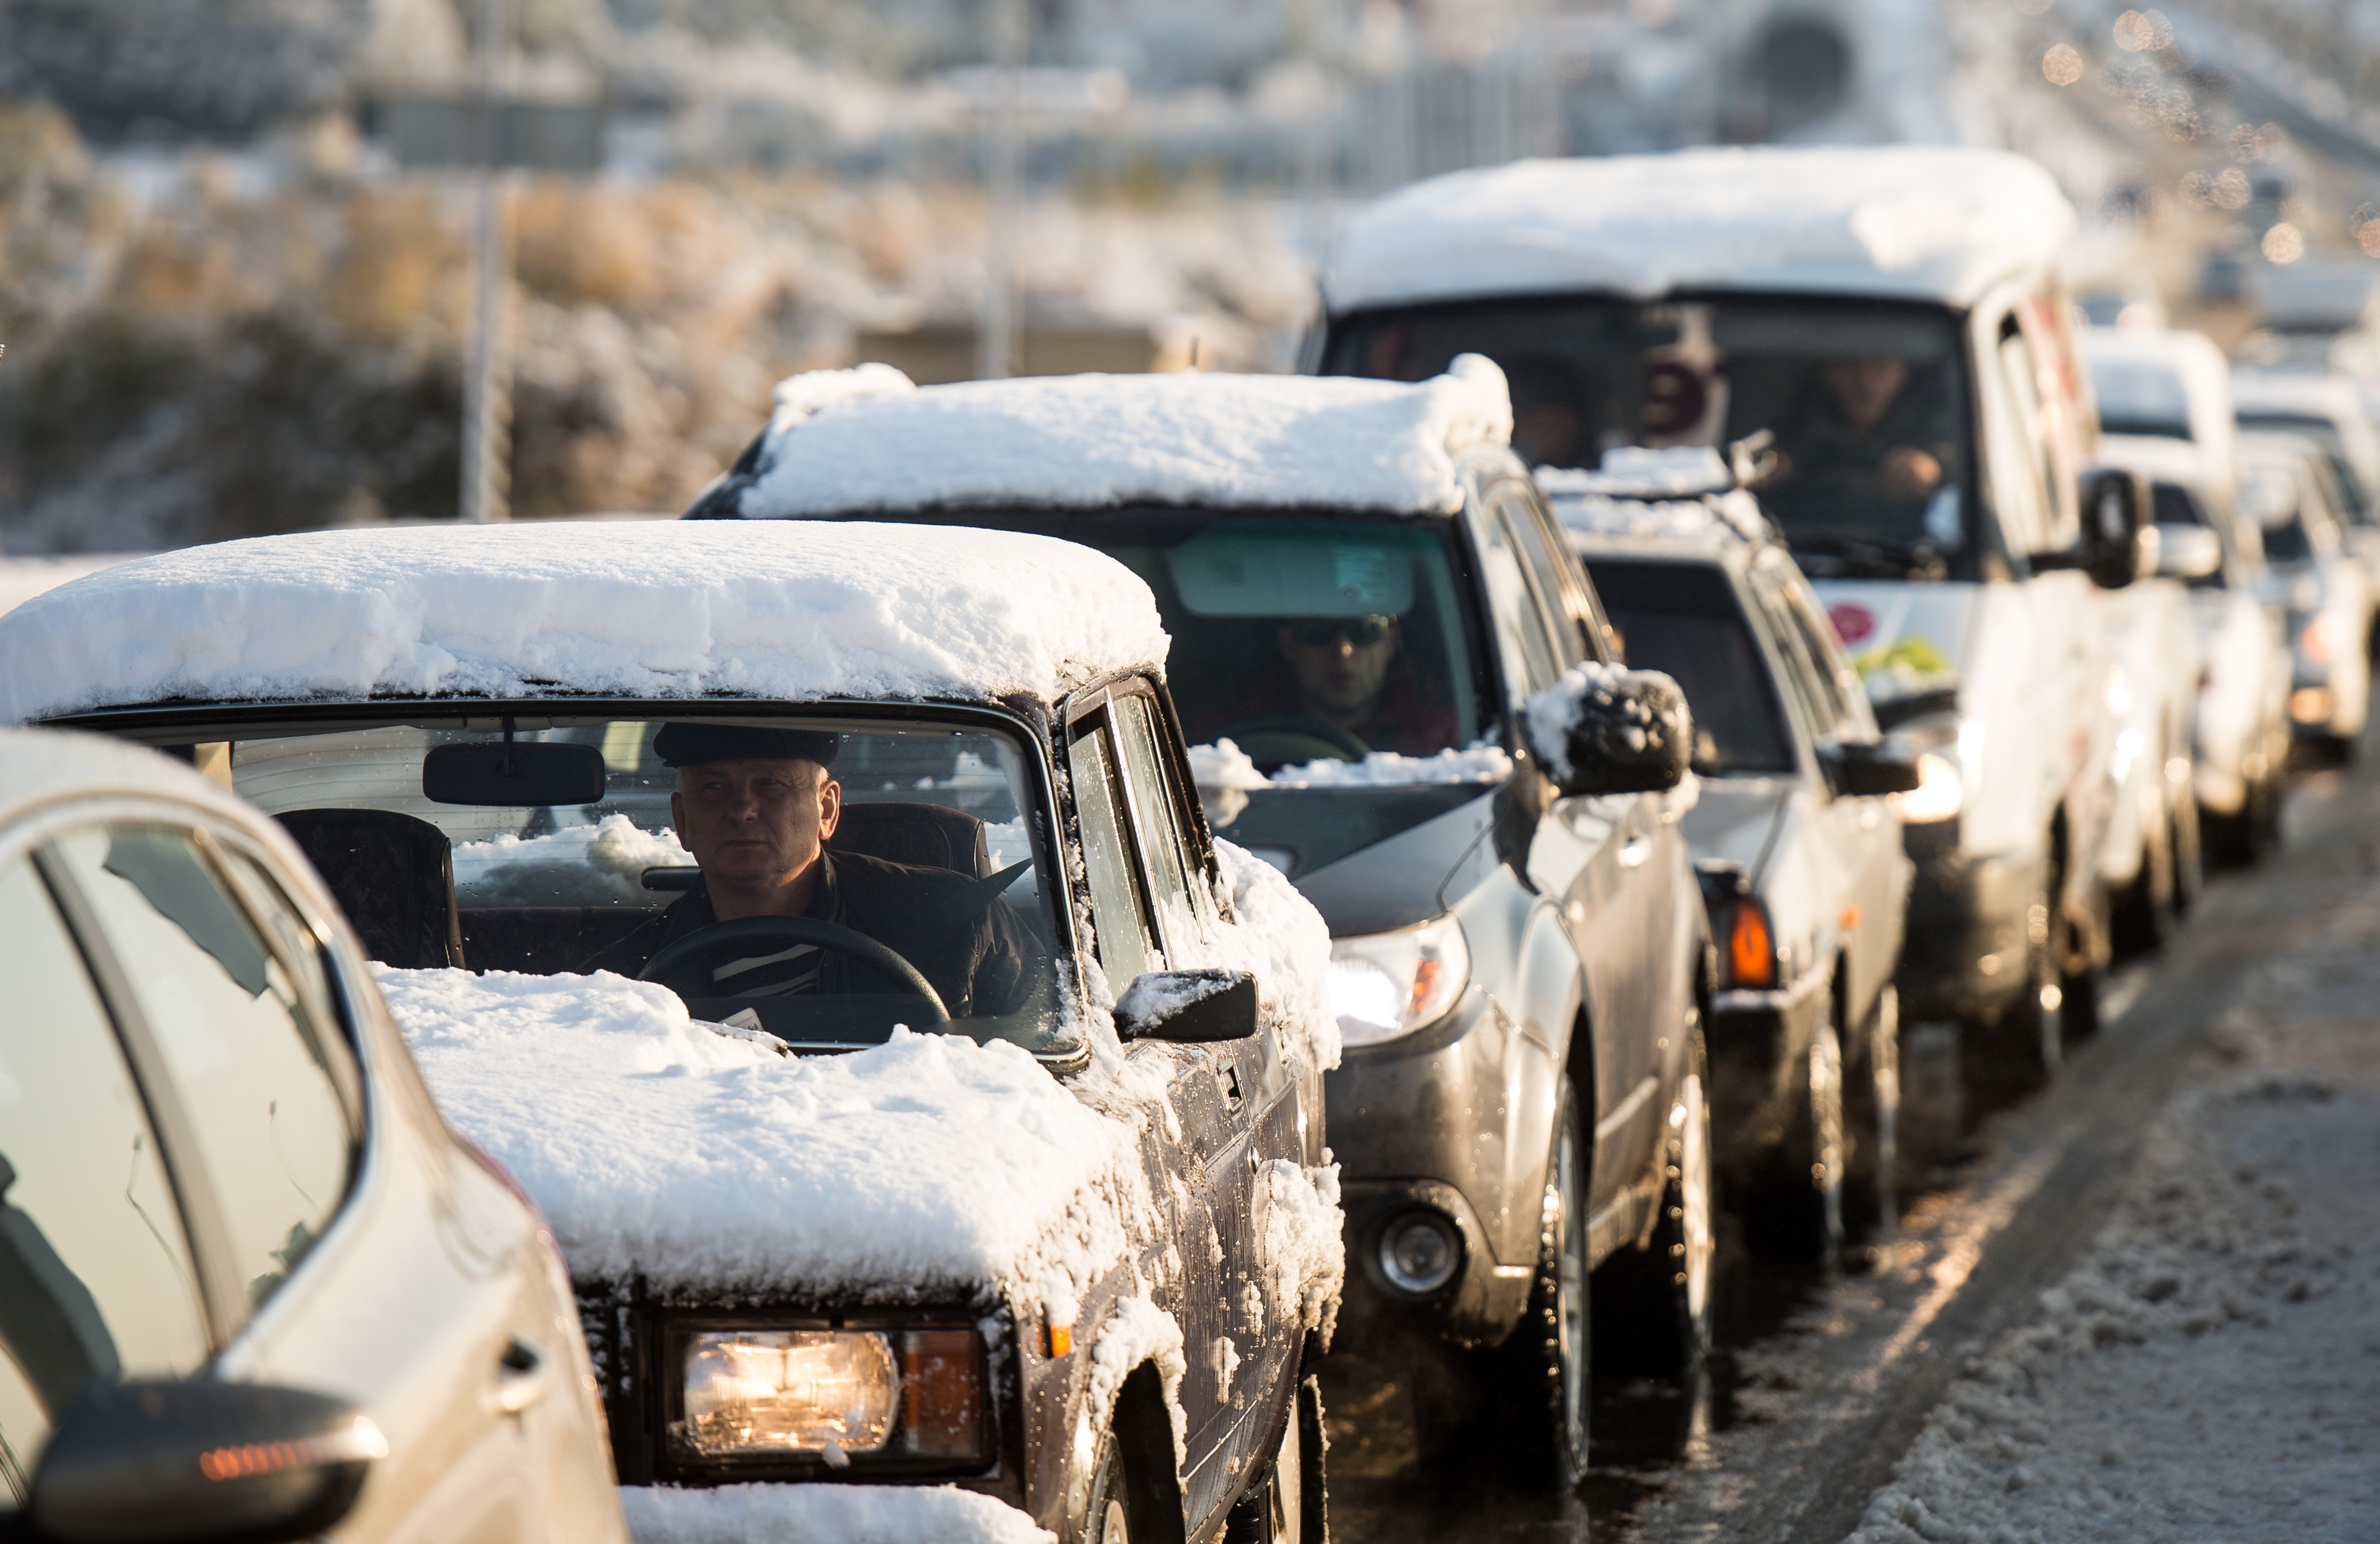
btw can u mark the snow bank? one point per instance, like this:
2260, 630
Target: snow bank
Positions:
932, 1166
1096, 441
607, 859
825, 1514
676, 608
1919, 222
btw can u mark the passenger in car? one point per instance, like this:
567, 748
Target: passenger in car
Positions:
1862, 426
1350, 673
756, 808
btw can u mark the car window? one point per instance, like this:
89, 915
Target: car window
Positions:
1521, 623
251, 1063
1684, 620
1119, 908
1830, 677
1547, 570
1158, 815
95, 1272
2019, 372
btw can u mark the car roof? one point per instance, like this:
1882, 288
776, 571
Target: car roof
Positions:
866, 440
40, 767
2302, 394
669, 610
1679, 502
2167, 461
1916, 222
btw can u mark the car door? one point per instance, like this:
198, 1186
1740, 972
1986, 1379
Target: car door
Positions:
413, 1313
1145, 917
1589, 861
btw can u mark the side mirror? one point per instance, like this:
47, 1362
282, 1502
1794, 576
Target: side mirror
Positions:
182, 1463
1604, 730
1190, 1007
1869, 769
516, 773
2117, 541
2187, 552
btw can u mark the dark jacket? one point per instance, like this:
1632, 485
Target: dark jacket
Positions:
974, 949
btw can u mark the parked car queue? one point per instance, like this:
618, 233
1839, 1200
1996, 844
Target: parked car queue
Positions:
1358, 886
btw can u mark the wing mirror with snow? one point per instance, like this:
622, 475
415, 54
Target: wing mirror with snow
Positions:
1191, 1007
1602, 729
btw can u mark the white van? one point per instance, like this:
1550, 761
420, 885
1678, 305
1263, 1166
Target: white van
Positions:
1894, 317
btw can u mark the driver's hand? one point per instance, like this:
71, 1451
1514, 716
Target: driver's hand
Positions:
1908, 471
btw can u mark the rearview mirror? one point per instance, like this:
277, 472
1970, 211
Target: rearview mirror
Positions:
1869, 769
182, 1463
2187, 552
516, 773
2116, 539
1604, 730
1194, 1007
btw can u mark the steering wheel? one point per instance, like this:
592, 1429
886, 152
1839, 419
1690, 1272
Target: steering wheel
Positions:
708, 943
1280, 734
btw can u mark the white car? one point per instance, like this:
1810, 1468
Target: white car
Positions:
1914, 358
921, 1098
2325, 593
250, 1284
2329, 410
2239, 723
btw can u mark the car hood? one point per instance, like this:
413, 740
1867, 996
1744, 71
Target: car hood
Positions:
1399, 881
1906, 641
1736, 818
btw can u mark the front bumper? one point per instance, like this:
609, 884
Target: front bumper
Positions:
1964, 952
1420, 1123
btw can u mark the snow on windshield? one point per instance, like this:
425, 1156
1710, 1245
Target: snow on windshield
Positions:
678, 609
1097, 441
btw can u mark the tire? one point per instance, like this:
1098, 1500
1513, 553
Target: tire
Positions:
1654, 1303
2187, 844
2004, 1058
2233, 840
1871, 1124
2142, 915
1106, 1515
1795, 1211
1291, 1505
1132, 1497
1541, 1378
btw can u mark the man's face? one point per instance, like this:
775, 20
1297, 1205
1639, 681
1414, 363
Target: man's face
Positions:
755, 823
1340, 664
1865, 388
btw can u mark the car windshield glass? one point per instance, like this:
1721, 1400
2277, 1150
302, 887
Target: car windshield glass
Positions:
1866, 400
2141, 397
930, 859
1683, 620
2287, 541
1336, 652
2346, 488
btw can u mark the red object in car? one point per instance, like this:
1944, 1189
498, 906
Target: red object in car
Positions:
1853, 623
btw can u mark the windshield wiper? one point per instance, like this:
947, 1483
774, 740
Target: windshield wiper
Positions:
1866, 557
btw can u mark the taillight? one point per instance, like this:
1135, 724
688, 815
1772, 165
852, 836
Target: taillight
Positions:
1751, 947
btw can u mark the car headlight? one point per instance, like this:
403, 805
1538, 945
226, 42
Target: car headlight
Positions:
1938, 794
1384, 985
757, 1394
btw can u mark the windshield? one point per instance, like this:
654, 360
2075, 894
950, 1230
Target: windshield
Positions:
1335, 653
1683, 620
1867, 401
2344, 488
2141, 397
924, 828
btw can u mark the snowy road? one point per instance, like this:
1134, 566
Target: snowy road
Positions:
2149, 1308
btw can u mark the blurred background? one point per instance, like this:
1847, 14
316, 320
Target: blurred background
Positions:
275, 264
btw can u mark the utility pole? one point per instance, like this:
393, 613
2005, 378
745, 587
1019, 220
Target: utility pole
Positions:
488, 388
996, 351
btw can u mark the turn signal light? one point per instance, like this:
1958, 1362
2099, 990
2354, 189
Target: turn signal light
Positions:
1751, 947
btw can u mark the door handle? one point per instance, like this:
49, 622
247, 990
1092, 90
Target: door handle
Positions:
520, 1377
1634, 851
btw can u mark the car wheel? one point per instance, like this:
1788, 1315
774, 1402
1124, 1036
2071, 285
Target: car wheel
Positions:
2002, 1059
1656, 1301
1107, 1518
2141, 915
2188, 849
1289, 1507
1797, 1209
1544, 1371
1872, 1122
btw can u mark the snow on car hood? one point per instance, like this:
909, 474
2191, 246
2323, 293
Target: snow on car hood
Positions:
648, 610
701, 1156
1903, 639
1094, 441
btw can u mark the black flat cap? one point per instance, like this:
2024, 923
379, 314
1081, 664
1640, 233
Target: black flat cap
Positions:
695, 745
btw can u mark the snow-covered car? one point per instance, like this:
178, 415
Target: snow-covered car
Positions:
2288, 490
1893, 316
251, 1285
1793, 832
1366, 594
2329, 409
959, 1135
2240, 729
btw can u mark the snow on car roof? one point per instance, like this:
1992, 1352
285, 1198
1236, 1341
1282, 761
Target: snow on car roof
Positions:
673, 609
40, 765
2300, 393
1913, 221
861, 440
1682, 493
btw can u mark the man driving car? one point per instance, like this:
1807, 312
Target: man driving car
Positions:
757, 808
